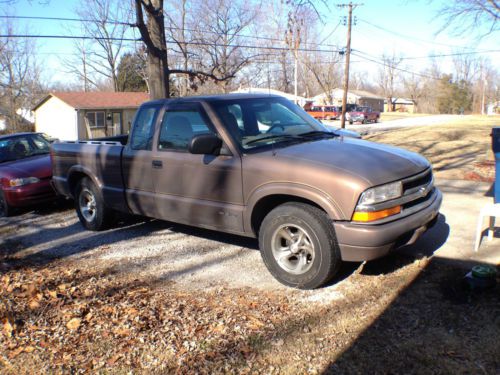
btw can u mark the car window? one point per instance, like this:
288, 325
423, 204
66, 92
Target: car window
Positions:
142, 133
178, 127
20, 147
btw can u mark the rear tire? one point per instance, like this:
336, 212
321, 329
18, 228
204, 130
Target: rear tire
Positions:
5, 209
298, 245
90, 207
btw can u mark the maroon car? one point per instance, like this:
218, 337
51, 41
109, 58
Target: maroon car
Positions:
25, 171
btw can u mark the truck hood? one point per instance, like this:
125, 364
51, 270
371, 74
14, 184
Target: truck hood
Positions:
36, 166
374, 163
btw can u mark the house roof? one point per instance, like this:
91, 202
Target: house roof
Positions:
99, 100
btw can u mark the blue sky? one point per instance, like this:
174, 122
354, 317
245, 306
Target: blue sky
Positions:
400, 26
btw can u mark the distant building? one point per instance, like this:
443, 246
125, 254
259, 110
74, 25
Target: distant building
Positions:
86, 115
493, 108
358, 97
400, 105
257, 90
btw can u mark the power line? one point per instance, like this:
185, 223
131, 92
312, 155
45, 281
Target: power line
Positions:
206, 44
395, 68
114, 22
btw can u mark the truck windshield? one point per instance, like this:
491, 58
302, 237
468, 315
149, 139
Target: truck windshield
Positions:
258, 122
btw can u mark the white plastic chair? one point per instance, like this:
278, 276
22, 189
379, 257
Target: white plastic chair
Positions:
492, 211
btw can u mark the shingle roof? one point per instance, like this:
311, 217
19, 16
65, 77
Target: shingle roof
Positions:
99, 100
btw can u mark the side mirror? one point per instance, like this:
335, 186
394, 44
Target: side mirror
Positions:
206, 144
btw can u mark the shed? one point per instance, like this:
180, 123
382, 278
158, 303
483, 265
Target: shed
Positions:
401, 105
86, 115
359, 97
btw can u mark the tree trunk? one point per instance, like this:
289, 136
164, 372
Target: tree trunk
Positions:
158, 65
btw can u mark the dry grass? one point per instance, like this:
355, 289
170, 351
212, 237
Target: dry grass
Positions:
388, 116
454, 149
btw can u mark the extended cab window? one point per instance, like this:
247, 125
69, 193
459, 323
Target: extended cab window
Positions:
142, 134
178, 127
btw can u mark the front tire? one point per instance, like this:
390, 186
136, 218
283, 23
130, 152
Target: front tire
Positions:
298, 245
90, 208
5, 209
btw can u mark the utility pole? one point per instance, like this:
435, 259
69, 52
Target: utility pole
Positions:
292, 38
350, 7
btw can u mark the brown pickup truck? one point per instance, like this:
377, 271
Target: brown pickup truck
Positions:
258, 166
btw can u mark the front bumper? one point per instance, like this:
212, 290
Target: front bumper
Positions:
27, 195
360, 242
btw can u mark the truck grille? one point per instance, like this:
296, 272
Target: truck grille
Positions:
419, 188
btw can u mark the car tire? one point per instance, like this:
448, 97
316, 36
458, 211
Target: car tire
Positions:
298, 245
363, 121
90, 207
351, 122
5, 208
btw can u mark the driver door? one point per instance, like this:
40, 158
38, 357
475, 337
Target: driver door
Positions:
202, 190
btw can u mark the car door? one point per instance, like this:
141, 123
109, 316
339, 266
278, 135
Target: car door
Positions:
202, 190
137, 165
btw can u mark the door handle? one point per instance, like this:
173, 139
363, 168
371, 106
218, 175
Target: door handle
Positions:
157, 164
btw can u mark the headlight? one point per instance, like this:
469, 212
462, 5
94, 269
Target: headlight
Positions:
23, 181
381, 194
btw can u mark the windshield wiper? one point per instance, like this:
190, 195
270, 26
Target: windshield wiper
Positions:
273, 136
318, 132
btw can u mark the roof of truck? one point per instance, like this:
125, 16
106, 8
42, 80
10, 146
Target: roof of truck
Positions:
212, 98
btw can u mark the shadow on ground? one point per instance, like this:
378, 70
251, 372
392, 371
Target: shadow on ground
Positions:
438, 324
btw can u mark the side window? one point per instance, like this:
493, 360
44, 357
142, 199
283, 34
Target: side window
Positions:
178, 127
142, 133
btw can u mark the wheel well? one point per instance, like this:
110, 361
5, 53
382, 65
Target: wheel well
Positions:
267, 204
73, 181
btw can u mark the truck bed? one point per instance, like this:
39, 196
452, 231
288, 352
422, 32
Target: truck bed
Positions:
99, 158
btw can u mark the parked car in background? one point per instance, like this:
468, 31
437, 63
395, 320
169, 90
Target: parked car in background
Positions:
325, 112
362, 115
25, 171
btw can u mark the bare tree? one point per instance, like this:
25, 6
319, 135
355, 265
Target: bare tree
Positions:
179, 29
387, 77
328, 74
414, 89
219, 29
106, 22
19, 76
150, 21
470, 15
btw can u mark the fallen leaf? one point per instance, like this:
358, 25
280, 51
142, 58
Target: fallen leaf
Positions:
74, 323
8, 327
34, 304
113, 359
29, 349
15, 352
123, 332
53, 294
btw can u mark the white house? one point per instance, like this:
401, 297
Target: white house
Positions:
257, 90
86, 115
359, 97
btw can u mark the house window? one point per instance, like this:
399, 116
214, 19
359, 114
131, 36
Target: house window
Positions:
96, 119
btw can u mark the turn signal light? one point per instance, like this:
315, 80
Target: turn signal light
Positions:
362, 216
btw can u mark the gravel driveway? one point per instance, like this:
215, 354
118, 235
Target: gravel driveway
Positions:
149, 249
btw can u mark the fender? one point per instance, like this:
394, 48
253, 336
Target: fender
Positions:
81, 169
303, 191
